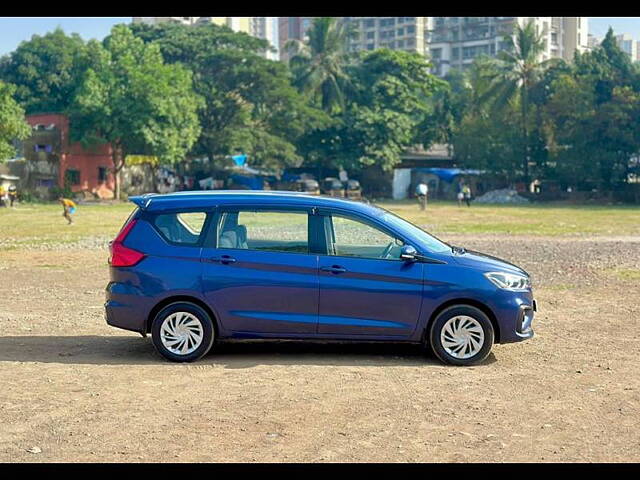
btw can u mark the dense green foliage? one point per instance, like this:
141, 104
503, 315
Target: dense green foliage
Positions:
46, 71
132, 100
12, 124
575, 123
179, 93
250, 105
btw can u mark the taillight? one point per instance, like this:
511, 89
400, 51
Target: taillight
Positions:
122, 256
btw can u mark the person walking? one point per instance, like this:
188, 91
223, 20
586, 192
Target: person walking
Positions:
422, 190
466, 193
69, 207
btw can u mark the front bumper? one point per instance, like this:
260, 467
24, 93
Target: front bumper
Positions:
515, 312
525, 319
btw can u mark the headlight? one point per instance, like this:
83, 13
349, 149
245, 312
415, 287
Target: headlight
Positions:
509, 281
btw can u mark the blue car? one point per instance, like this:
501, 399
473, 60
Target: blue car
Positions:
194, 267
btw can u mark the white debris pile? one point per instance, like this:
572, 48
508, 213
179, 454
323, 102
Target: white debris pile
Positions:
505, 195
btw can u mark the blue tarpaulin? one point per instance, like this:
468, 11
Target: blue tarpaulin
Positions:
254, 183
239, 160
447, 174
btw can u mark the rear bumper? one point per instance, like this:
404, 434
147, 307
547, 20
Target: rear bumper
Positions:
125, 308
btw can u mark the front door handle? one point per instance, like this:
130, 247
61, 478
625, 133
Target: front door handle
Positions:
225, 259
334, 269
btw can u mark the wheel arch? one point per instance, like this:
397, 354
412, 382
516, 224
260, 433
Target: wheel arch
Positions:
468, 302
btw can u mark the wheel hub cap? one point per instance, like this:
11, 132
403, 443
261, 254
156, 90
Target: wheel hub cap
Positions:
181, 333
462, 337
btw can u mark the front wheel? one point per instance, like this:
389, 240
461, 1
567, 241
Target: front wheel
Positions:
182, 332
461, 335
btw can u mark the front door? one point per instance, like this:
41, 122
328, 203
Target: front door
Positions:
261, 279
365, 289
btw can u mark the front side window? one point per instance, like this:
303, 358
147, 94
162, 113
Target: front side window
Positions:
348, 237
182, 228
272, 231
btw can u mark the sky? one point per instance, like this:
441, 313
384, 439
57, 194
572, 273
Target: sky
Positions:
13, 30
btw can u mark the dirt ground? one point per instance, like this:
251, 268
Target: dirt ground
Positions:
73, 389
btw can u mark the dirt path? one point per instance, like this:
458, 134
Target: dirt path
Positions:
79, 390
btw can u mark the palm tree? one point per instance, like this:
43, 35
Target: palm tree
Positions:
517, 69
318, 63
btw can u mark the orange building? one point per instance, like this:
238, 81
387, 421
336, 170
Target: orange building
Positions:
84, 169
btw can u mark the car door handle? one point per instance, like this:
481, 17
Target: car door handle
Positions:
334, 269
225, 259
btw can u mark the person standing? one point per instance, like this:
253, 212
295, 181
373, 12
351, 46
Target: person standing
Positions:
466, 193
69, 207
13, 194
422, 190
460, 195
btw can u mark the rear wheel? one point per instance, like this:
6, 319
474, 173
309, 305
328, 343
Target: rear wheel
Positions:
461, 335
182, 332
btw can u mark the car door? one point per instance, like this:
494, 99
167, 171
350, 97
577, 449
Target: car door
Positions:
259, 275
365, 289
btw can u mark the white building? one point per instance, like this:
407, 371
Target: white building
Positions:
628, 45
396, 33
454, 42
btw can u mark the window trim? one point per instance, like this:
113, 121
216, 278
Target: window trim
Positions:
150, 218
312, 229
328, 213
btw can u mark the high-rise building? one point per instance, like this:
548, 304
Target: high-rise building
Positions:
158, 20
628, 45
397, 33
593, 41
454, 42
267, 29
291, 28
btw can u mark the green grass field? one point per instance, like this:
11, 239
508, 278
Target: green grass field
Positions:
37, 224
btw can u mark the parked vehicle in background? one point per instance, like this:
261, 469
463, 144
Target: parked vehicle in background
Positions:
354, 191
333, 187
303, 185
194, 267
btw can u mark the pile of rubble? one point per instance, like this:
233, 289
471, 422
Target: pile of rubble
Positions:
504, 195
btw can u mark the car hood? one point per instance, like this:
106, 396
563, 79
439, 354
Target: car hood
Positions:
486, 262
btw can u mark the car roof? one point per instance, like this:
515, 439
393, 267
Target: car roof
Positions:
154, 202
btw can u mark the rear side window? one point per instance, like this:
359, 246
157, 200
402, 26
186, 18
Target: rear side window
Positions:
264, 230
181, 228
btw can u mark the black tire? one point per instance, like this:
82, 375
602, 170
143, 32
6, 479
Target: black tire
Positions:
208, 331
440, 321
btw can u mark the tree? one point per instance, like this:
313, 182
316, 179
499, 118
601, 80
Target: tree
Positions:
318, 64
518, 69
593, 111
12, 124
382, 117
46, 70
249, 102
135, 102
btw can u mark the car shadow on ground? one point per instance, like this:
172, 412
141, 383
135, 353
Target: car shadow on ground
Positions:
120, 350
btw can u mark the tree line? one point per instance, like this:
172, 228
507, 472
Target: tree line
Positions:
181, 92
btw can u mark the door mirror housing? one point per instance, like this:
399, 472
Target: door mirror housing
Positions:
409, 254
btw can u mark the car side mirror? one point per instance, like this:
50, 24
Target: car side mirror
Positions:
408, 254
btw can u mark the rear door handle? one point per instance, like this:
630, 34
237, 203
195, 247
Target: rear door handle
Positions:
334, 269
223, 259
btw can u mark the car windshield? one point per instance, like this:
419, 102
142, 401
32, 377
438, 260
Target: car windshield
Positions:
409, 229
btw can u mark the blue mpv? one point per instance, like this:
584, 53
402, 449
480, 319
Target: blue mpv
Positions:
194, 267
